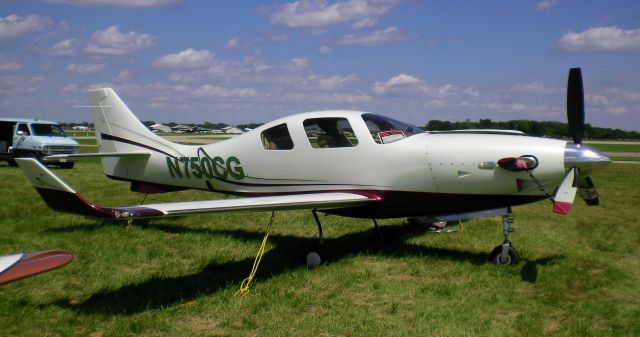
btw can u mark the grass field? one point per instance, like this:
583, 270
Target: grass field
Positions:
580, 274
631, 147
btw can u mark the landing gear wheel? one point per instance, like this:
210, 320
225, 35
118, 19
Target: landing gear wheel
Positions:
315, 255
12, 163
66, 165
511, 258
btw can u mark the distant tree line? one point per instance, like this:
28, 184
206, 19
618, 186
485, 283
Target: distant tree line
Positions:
533, 128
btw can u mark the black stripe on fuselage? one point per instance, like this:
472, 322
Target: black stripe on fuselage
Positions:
126, 141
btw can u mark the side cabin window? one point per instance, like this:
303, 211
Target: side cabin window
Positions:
385, 130
24, 128
277, 138
329, 132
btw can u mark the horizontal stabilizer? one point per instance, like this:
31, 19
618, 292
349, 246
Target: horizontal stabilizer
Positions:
61, 197
101, 154
19, 266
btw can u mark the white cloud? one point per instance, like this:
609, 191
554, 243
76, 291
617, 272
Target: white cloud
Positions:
377, 37
86, 68
601, 39
209, 90
13, 26
113, 42
328, 98
367, 22
297, 63
330, 82
70, 89
232, 43
617, 110
120, 3
124, 75
546, 4
62, 48
9, 64
402, 83
534, 88
278, 37
321, 14
186, 59
324, 49
472, 91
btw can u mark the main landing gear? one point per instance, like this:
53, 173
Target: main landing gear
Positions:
315, 252
505, 254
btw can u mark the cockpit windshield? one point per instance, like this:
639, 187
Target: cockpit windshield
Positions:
47, 130
385, 130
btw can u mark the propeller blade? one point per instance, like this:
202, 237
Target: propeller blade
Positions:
588, 192
575, 105
563, 200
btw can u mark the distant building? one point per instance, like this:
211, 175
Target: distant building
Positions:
160, 128
231, 130
180, 128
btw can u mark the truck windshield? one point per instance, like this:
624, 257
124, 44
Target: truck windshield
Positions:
47, 130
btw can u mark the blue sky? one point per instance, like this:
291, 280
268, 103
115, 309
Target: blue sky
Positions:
251, 61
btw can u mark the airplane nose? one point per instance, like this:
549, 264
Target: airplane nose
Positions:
584, 157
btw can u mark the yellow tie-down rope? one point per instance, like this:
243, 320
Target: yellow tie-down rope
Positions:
244, 286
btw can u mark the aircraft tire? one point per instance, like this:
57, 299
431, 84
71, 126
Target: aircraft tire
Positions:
512, 257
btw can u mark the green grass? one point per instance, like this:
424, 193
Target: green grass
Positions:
71, 133
632, 147
623, 158
580, 274
84, 141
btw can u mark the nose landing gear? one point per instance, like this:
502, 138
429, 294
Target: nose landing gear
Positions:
506, 254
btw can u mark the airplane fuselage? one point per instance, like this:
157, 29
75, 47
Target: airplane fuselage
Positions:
422, 173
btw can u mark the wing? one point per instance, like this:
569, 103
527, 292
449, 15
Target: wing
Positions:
19, 266
61, 197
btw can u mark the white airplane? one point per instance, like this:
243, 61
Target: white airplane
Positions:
349, 163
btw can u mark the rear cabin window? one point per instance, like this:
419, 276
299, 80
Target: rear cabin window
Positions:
329, 132
385, 130
277, 138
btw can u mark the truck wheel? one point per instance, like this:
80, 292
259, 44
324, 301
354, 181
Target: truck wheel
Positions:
66, 165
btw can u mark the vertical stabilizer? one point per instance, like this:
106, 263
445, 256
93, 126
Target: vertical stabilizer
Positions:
118, 129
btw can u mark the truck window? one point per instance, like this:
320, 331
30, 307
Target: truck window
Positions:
329, 132
24, 128
47, 130
277, 138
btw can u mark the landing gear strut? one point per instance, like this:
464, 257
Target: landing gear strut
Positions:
505, 254
315, 252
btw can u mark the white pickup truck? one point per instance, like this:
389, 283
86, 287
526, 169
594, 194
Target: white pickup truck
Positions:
20, 137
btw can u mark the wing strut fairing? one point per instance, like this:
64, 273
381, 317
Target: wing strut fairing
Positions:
61, 197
